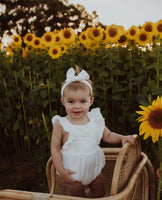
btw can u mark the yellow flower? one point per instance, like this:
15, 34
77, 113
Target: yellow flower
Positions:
57, 38
63, 48
113, 33
96, 33
104, 38
143, 38
68, 35
83, 37
36, 42
48, 39
151, 120
86, 39
54, 52
133, 32
28, 38
123, 39
10, 50
158, 28
150, 28
17, 41
28, 49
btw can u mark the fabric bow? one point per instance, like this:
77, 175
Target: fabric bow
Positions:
70, 75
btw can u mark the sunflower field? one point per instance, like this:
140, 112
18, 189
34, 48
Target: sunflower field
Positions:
124, 65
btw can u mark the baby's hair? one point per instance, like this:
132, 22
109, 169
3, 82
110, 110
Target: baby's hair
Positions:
77, 84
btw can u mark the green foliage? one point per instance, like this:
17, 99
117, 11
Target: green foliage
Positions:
123, 78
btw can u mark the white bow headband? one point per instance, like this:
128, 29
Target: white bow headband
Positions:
70, 77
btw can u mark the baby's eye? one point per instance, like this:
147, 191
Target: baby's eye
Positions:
83, 101
70, 101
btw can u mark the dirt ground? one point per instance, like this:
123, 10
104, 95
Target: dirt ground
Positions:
20, 174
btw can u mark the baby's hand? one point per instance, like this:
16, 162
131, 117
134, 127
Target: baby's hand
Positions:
128, 138
66, 176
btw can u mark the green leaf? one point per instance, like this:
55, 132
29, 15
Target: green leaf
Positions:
16, 125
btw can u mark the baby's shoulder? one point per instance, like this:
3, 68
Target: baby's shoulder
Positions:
95, 113
60, 123
55, 119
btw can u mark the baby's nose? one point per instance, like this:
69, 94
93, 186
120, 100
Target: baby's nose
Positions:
77, 104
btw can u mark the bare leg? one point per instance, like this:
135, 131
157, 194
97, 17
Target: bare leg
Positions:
76, 189
97, 188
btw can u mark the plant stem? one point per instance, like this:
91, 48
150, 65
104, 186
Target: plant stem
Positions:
49, 96
45, 125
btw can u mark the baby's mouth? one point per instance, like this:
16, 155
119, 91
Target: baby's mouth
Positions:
77, 112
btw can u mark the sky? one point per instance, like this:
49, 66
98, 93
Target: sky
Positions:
124, 12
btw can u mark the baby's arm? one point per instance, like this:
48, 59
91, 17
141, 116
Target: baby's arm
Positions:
57, 156
114, 138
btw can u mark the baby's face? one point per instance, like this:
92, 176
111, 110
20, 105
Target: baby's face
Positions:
77, 103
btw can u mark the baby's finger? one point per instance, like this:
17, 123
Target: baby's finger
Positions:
72, 172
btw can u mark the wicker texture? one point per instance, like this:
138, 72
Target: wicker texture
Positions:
128, 175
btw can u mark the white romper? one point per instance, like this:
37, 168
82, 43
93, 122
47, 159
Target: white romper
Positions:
81, 152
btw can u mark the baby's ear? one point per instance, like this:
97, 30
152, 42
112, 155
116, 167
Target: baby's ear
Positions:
62, 100
92, 100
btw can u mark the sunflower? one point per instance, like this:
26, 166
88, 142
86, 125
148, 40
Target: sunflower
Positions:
143, 38
151, 120
47, 39
133, 32
104, 38
83, 37
95, 33
16, 40
113, 33
36, 43
28, 38
54, 52
29, 49
68, 35
150, 28
123, 39
63, 48
58, 38
10, 50
158, 28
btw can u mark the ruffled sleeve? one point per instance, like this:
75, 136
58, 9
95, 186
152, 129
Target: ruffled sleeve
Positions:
55, 118
63, 122
99, 121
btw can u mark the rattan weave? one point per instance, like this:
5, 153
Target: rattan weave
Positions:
128, 175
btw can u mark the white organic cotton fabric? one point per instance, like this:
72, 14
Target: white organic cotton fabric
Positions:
81, 152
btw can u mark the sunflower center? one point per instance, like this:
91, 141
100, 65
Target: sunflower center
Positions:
48, 38
67, 34
54, 51
57, 39
29, 38
36, 42
132, 32
155, 119
148, 28
62, 48
16, 39
143, 37
96, 33
112, 32
83, 37
122, 39
159, 27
